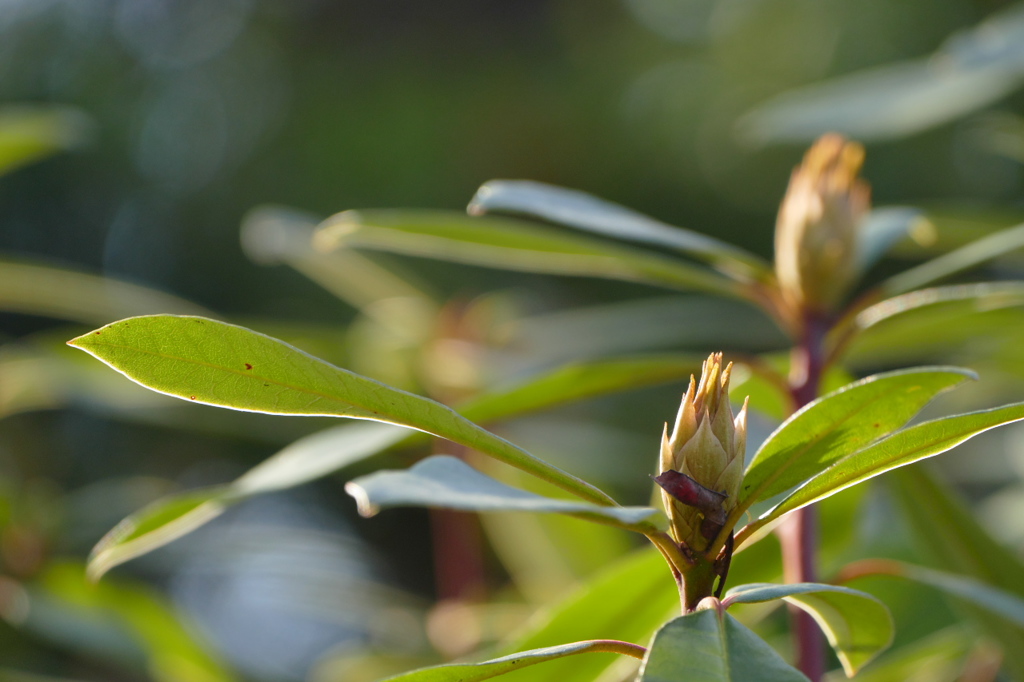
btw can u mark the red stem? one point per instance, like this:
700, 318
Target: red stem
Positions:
798, 534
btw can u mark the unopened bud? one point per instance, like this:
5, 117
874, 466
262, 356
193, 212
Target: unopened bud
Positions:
816, 230
706, 445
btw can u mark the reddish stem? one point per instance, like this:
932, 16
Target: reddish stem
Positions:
798, 534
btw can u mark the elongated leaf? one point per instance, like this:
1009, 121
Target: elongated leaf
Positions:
935, 658
587, 212
29, 133
898, 450
77, 296
701, 647
882, 229
220, 364
964, 258
513, 245
472, 672
448, 482
994, 600
840, 424
857, 625
327, 451
957, 543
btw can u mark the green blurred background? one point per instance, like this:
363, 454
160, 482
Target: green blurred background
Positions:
181, 116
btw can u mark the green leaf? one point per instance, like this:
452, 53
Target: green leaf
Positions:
513, 245
472, 672
29, 133
448, 482
327, 451
898, 450
964, 258
628, 601
957, 543
703, 647
587, 212
857, 625
839, 424
221, 364
992, 599
935, 658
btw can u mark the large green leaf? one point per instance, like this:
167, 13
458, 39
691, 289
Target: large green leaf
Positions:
472, 672
898, 450
935, 658
857, 625
448, 482
704, 647
587, 212
327, 451
513, 245
839, 424
221, 364
957, 543
30, 133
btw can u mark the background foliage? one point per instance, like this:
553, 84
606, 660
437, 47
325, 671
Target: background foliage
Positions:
179, 118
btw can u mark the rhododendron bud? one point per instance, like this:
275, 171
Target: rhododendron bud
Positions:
706, 446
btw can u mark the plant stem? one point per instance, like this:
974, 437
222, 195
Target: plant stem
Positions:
798, 534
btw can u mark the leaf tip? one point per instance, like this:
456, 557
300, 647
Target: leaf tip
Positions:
365, 507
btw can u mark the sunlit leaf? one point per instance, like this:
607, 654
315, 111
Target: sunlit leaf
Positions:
857, 625
472, 672
935, 658
587, 212
703, 647
220, 364
514, 245
327, 451
448, 482
840, 424
900, 449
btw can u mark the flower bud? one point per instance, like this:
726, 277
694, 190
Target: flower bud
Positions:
816, 230
707, 445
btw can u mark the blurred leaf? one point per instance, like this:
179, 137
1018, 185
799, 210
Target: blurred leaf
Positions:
627, 601
882, 229
957, 543
936, 322
67, 610
964, 258
579, 380
857, 625
80, 297
703, 647
28, 134
971, 70
900, 449
513, 245
996, 601
276, 234
586, 212
935, 658
841, 423
449, 483
471, 672
220, 364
